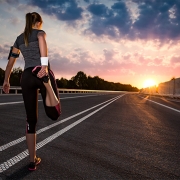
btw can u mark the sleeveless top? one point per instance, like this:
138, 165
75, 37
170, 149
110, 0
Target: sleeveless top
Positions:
31, 53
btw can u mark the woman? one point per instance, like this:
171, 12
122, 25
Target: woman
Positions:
36, 75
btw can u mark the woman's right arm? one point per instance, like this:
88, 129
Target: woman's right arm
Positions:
8, 70
43, 52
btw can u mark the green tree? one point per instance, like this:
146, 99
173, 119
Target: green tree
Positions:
62, 83
80, 80
15, 76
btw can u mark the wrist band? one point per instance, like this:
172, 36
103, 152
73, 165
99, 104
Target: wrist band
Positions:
44, 61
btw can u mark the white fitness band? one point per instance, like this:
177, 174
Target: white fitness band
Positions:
44, 61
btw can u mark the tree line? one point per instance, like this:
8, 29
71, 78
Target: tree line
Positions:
79, 81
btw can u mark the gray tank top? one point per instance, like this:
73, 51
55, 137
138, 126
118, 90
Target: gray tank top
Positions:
31, 53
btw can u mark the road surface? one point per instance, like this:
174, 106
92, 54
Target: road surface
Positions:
98, 136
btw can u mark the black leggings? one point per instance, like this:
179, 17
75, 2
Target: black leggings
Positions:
30, 86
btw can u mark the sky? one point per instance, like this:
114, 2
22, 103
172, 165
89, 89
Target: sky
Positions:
125, 41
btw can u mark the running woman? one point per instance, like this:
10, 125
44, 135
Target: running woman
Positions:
37, 75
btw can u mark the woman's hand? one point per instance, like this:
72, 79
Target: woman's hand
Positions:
6, 87
43, 72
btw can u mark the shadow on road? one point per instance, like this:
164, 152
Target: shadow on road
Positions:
19, 174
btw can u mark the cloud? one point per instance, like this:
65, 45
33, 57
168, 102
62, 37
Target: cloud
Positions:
4, 52
119, 19
64, 10
76, 60
109, 55
100, 10
175, 60
110, 21
154, 20
4, 49
107, 63
158, 19
86, 1
15, 21
158, 61
10, 1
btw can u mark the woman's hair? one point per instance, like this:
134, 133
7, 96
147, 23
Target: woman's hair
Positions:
31, 20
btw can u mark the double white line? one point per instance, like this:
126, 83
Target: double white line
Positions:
6, 165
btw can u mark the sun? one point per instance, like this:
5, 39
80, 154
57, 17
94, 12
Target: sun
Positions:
149, 83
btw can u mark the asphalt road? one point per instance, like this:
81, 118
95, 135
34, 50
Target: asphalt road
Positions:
98, 136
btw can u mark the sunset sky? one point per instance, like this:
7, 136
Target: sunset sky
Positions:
126, 41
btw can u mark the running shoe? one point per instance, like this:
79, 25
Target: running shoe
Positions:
32, 165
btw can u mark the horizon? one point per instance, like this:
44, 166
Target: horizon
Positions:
124, 41
87, 75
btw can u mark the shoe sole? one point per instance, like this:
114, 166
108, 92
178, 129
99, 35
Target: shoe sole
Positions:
32, 169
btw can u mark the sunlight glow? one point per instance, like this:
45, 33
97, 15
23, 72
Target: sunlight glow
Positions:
149, 83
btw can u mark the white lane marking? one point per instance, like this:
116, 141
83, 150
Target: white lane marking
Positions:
6, 165
14, 142
162, 105
18, 102
80, 96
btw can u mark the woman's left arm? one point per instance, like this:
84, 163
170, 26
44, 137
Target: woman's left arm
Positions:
8, 70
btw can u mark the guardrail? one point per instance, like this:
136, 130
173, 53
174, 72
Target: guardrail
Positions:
17, 90
166, 89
